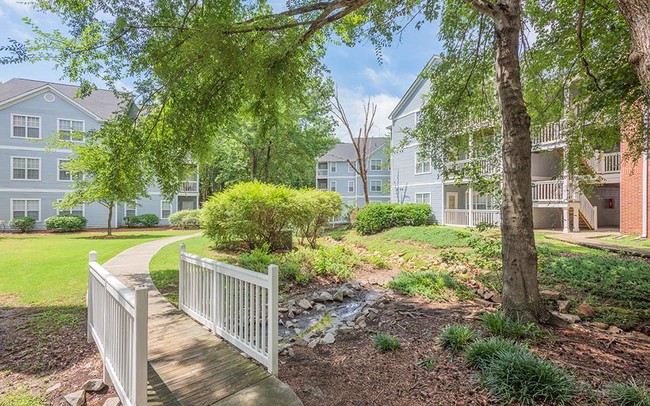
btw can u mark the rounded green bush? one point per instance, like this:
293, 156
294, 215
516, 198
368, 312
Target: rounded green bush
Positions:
377, 217
482, 352
143, 220
186, 219
66, 223
23, 224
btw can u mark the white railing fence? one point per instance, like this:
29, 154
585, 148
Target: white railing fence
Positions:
237, 304
552, 133
609, 162
588, 210
456, 217
460, 217
486, 216
117, 323
548, 190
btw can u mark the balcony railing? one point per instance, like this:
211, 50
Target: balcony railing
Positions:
551, 134
461, 217
322, 172
487, 166
605, 163
190, 186
548, 191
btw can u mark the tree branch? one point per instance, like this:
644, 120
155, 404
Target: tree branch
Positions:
482, 6
581, 48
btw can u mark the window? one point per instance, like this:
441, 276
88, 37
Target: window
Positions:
375, 164
77, 210
165, 209
479, 202
375, 186
25, 126
333, 167
424, 198
351, 186
130, 210
422, 163
333, 186
67, 127
25, 168
64, 174
26, 208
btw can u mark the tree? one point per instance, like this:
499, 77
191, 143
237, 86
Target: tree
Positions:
637, 16
107, 169
360, 142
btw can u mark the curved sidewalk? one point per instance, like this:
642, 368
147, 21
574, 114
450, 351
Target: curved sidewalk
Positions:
188, 365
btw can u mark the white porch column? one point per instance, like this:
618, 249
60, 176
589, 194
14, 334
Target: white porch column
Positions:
442, 203
470, 219
565, 219
576, 218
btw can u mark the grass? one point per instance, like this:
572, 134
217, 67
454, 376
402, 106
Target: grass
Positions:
482, 353
628, 394
456, 338
427, 363
22, 398
435, 236
385, 342
503, 326
627, 241
439, 286
51, 269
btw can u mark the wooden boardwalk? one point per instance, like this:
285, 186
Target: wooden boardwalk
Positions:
188, 365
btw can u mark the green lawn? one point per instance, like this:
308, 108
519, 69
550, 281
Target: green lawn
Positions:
627, 241
51, 270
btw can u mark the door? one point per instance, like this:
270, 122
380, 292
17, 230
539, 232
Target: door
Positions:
452, 200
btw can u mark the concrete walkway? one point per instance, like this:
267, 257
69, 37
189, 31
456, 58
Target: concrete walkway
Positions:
188, 365
593, 239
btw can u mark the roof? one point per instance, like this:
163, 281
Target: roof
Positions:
100, 103
345, 150
413, 88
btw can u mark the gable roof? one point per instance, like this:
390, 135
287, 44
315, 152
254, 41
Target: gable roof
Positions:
412, 90
345, 150
101, 104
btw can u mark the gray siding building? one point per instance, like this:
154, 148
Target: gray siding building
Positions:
31, 177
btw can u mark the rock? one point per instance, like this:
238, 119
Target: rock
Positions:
480, 291
360, 319
550, 294
496, 298
585, 310
614, 330
599, 325
77, 398
313, 343
113, 402
562, 306
348, 292
290, 352
372, 316
328, 339
320, 307
571, 318
338, 296
53, 388
345, 329
291, 314
362, 324
487, 295
288, 324
313, 391
355, 285
323, 297
93, 385
283, 309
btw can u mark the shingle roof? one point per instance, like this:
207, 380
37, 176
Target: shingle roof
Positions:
102, 103
345, 150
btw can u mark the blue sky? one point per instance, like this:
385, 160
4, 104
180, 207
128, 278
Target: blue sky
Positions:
356, 71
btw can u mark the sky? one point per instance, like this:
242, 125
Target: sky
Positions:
356, 71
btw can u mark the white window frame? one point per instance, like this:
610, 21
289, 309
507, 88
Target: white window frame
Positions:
11, 212
350, 186
58, 170
424, 196
381, 161
332, 166
372, 186
83, 127
424, 163
40, 127
171, 209
40, 168
83, 209
332, 186
126, 207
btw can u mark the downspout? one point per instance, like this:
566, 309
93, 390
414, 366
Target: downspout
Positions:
644, 204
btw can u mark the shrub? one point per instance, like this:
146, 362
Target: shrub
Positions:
521, 377
378, 262
628, 394
335, 261
481, 353
186, 219
432, 285
66, 223
376, 217
132, 221
503, 326
253, 212
257, 260
298, 264
385, 342
313, 211
456, 338
23, 224
149, 220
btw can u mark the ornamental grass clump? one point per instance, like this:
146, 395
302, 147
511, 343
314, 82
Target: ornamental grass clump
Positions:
483, 352
501, 325
628, 394
456, 338
385, 342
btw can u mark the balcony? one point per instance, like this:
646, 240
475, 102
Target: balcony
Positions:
550, 137
486, 166
190, 186
321, 173
461, 217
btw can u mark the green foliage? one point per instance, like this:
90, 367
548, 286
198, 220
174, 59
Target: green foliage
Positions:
487, 248
141, 220
23, 224
335, 261
376, 217
186, 219
378, 262
501, 325
483, 352
66, 223
253, 212
452, 256
257, 260
484, 226
337, 235
436, 236
456, 338
385, 342
313, 210
628, 394
428, 363
22, 398
432, 285
523, 378
298, 265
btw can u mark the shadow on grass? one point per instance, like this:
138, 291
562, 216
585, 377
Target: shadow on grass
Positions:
42, 340
166, 281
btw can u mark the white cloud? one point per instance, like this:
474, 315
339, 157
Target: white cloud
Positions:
354, 100
21, 7
385, 77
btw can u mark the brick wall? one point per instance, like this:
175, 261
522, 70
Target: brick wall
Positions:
631, 177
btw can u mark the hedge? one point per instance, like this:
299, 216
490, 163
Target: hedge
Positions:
142, 220
66, 223
23, 224
186, 219
377, 217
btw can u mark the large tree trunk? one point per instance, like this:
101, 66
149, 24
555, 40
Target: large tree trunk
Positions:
520, 288
637, 15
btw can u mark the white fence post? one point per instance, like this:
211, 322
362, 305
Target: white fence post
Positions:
92, 257
181, 277
273, 320
140, 345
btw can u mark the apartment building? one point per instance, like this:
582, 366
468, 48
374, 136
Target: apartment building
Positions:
558, 203
31, 175
335, 171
